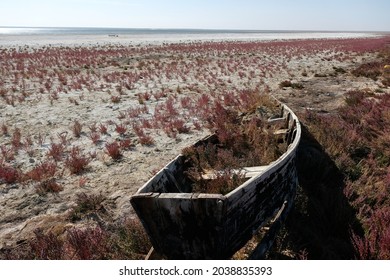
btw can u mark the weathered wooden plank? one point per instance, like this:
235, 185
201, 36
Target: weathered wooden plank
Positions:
179, 225
281, 131
245, 189
146, 207
267, 241
274, 121
252, 208
247, 172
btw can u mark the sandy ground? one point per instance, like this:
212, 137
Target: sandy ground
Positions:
157, 75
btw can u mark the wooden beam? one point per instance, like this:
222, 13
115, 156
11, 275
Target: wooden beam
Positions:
247, 172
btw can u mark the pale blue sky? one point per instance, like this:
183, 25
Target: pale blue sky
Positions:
338, 15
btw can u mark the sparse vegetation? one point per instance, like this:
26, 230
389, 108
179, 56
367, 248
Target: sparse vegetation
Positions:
175, 94
125, 240
344, 173
370, 70
359, 146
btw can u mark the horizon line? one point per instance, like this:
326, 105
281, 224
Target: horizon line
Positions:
197, 29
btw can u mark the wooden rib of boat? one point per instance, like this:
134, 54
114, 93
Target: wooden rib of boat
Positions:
186, 225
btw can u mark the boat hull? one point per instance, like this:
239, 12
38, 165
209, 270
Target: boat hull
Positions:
184, 225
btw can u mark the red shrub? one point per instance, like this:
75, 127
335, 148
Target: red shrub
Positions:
203, 101
146, 140
16, 138
180, 126
125, 143
89, 243
7, 154
56, 151
9, 174
376, 244
114, 150
170, 107
76, 161
170, 131
103, 129
185, 102
47, 246
4, 129
120, 128
43, 171
197, 125
146, 123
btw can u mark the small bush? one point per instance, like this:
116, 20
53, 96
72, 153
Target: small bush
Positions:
48, 186
86, 204
146, 140
113, 150
89, 243
376, 244
9, 174
76, 162
120, 128
180, 126
131, 240
47, 246
95, 137
103, 129
4, 129
16, 139
63, 138
370, 70
93, 127
56, 151
353, 98
125, 143
77, 128
8, 154
43, 171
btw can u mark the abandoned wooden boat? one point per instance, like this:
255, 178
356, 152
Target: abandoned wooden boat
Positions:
186, 225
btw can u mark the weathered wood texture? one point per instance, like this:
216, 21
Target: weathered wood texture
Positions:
183, 225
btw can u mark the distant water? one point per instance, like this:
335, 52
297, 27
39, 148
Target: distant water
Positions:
104, 31
148, 31
74, 35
